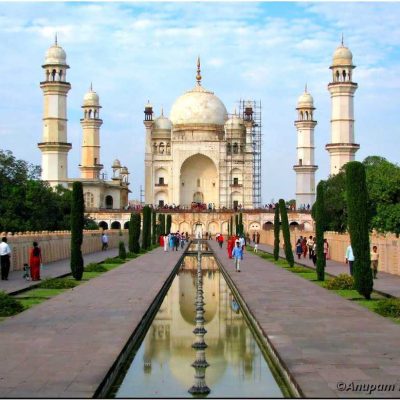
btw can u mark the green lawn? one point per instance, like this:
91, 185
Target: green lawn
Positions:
311, 275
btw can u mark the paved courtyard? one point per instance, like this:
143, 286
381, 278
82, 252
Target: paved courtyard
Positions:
325, 341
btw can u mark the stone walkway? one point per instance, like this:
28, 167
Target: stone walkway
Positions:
388, 284
55, 269
65, 346
327, 343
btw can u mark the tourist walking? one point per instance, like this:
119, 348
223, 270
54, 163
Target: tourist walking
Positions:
350, 258
310, 245
171, 241
166, 243
5, 255
374, 261
176, 241
304, 247
299, 248
237, 255
182, 240
314, 252
326, 249
104, 241
220, 241
35, 260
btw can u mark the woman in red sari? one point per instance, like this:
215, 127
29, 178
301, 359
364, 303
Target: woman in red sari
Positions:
35, 259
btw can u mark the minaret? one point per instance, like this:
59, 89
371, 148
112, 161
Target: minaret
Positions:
305, 167
342, 148
148, 158
90, 164
54, 145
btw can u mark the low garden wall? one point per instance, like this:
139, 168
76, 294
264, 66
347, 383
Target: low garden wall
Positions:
57, 245
388, 246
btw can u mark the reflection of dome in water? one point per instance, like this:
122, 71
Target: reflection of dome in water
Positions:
187, 296
183, 370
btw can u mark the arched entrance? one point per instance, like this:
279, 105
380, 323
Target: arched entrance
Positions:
109, 202
199, 181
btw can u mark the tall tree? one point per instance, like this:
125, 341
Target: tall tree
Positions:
237, 224
240, 225
161, 221
169, 223
131, 233
231, 226
357, 205
77, 222
286, 233
276, 232
146, 232
319, 230
135, 223
154, 227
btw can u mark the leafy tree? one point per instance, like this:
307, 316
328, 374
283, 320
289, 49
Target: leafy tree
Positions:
276, 232
77, 222
146, 232
122, 250
134, 236
286, 233
169, 223
161, 220
154, 235
357, 205
319, 231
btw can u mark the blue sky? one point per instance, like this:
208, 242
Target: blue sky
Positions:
266, 51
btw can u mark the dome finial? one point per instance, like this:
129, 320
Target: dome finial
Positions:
55, 39
305, 88
342, 39
198, 76
162, 111
91, 87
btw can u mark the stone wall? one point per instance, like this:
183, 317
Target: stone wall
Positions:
56, 245
388, 246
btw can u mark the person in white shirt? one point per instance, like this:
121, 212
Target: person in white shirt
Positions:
5, 254
350, 258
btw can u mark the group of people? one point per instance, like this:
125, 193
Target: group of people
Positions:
374, 256
172, 241
35, 261
304, 246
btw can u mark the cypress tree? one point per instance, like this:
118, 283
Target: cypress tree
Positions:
161, 220
357, 208
131, 234
241, 227
286, 232
136, 221
276, 232
169, 223
231, 226
146, 232
122, 250
154, 227
77, 223
237, 224
319, 230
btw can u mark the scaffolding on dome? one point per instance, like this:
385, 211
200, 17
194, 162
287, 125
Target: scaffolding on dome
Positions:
255, 116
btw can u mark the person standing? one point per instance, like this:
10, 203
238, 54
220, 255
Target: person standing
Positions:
237, 254
176, 241
242, 242
304, 246
220, 241
5, 254
35, 260
314, 252
350, 258
326, 249
104, 241
299, 248
166, 243
310, 245
374, 261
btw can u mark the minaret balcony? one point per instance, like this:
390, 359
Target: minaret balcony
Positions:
161, 185
236, 185
55, 146
305, 168
342, 147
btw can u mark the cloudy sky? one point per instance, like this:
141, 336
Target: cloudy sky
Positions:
135, 51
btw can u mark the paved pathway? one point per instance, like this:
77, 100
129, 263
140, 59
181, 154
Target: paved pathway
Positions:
65, 346
55, 269
386, 283
322, 338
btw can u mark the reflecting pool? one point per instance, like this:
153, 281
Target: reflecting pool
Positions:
162, 366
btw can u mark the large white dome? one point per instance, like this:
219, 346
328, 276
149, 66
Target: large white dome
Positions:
342, 56
198, 106
55, 55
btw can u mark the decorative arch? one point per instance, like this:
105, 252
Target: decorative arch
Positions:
236, 176
213, 227
103, 225
115, 225
161, 176
184, 227
126, 225
268, 225
293, 224
161, 198
254, 226
224, 227
109, 202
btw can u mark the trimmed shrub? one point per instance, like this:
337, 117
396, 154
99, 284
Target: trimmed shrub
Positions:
169, 223
161, 220
131, 233
286, 232
154, 227
276, 232
146, 231
301, 270
77, 223
357, 208
319, 230
58, 283
122, 250
340, 282
131, 255
115, 260
136, 222
389, 308
93, 267
9, 305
